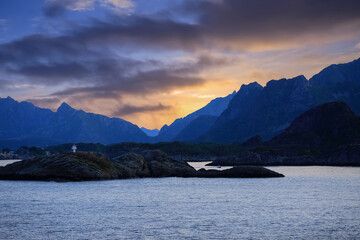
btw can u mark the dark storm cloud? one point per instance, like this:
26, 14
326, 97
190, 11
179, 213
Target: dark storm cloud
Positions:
129, 109
217, 20
54, 71
78, 59
84, 54
226, 20
164, 77
141, 83
277, 18
40, 48
141, 31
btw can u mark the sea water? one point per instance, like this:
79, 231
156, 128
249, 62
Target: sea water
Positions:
309, 203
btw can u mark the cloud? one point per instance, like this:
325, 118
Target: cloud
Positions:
240, 24
143, 82
130, 109
116, 80
258, 21
84, 5
182, 47
44, 102
53, 71
91, 68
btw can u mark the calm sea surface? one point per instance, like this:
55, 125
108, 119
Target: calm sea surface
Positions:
309, 203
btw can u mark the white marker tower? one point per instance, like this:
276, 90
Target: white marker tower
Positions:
74, 148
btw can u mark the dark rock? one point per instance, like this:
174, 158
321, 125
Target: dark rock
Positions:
240, 172
258, 158
84, 166
62, 167
131, 165
161, 165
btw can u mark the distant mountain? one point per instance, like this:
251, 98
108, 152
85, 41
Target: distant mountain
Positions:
267, 111
328, 134
321, 128
253, 110
24, 124
196, 128
150, 132
214, 109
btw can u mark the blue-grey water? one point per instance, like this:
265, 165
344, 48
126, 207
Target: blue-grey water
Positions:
309, 203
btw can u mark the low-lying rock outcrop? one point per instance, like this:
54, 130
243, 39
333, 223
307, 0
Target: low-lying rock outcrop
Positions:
61, 167
83, 166
240, 172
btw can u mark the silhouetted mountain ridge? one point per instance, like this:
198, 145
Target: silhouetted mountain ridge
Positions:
213, 108
23, 123
253, 110
267, 111
324, 127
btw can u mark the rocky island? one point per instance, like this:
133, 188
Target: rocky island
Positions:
85, 166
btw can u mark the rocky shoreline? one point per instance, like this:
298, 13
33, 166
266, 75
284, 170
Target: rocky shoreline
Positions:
87, 166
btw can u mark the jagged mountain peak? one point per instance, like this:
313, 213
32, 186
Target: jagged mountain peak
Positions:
249, 88
299, 80
64, 107
25, 124
338, 73
214, 108
7, 99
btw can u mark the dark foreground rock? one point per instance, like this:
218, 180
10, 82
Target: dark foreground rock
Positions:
151, 164
62, 167
240, 172
84, 166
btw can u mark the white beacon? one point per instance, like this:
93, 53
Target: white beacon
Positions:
74, 148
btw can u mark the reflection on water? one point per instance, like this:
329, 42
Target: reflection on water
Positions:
309, 203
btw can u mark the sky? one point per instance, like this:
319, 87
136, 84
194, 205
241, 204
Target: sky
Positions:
152, 61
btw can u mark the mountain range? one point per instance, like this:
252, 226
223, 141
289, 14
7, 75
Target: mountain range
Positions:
267, 111
179, 130
150, 132
328, 134
25, 124
253, 110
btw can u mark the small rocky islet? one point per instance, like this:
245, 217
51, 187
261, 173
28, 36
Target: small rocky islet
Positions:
87, 166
